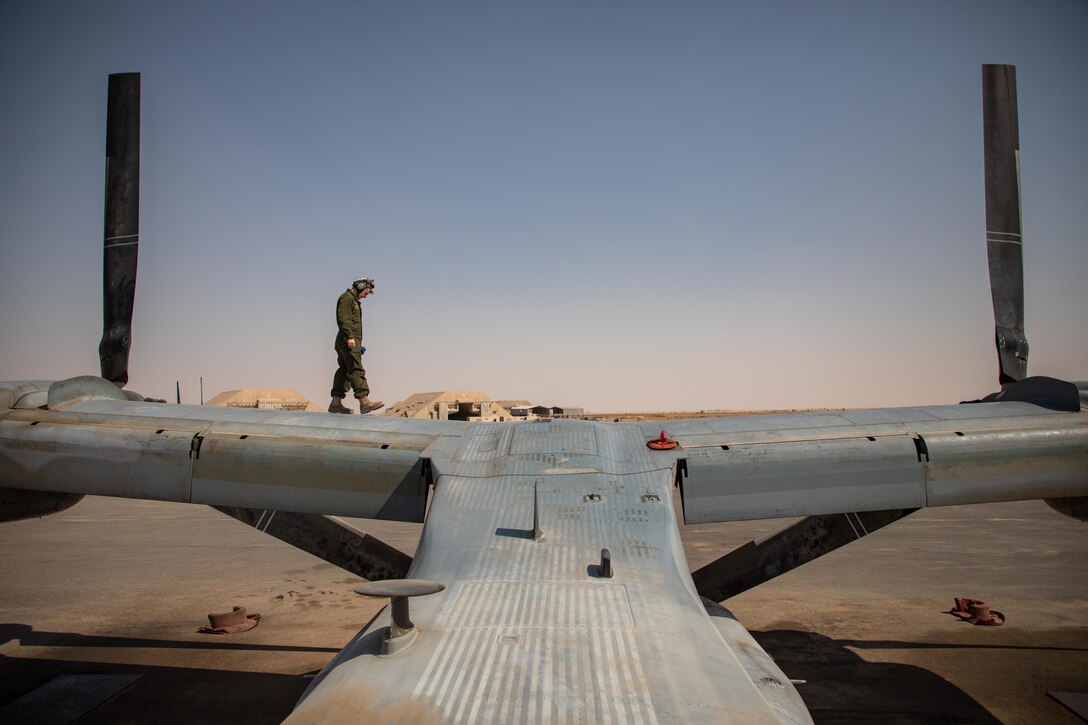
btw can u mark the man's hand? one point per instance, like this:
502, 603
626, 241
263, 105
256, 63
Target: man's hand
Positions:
351, 343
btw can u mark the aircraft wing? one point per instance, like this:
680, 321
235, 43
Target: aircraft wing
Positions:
801, 464
84, 436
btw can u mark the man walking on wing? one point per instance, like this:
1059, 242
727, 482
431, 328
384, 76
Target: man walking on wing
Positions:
349, 350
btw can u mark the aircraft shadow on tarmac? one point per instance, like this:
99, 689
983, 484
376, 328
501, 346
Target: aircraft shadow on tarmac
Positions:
840, 686
162, 695
891, 644
28, 637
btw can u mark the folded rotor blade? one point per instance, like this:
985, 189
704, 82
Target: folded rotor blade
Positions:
1004, 242
122, 224
331, 539
810, 538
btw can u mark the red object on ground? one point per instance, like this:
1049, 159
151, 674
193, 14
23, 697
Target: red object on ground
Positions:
976, 611
231, 622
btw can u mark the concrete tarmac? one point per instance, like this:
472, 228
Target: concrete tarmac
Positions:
118, 587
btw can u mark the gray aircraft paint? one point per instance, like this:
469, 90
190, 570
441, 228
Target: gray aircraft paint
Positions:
733, 468
525, 629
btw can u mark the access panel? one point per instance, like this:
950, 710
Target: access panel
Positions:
802, 478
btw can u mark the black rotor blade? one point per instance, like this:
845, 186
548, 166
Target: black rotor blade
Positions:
122, 224
810, 538
1004, 241
328, 538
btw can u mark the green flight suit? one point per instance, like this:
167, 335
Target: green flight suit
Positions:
349, 373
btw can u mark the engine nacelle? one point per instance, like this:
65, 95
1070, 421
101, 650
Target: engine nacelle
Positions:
17, 504
1076, 507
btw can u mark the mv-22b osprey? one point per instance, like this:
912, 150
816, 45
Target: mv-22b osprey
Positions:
549, 582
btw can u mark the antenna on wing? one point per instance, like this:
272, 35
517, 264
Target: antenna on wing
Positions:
122, 224
1004, 240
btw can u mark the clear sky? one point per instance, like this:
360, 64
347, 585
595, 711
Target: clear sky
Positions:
615, 205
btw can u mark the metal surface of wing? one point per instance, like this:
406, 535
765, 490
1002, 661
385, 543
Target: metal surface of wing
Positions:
80, 436
867, 460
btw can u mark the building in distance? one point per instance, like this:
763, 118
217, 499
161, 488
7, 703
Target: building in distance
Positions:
474, 406
264, 398
467, 405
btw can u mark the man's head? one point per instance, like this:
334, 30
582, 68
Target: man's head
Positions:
362, 287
